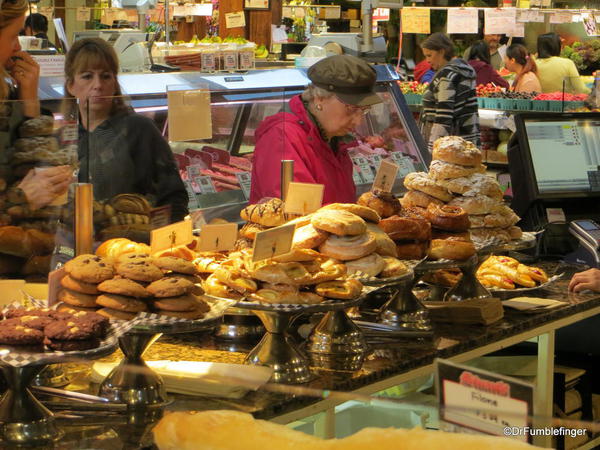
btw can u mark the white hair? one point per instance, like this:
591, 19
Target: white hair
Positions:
312, 91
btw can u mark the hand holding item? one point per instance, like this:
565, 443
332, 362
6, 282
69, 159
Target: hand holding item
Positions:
589, 279
26, 72
42, 186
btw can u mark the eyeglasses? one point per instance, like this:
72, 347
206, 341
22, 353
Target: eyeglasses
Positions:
356, 110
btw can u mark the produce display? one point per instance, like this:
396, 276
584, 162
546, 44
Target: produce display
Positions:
585, 55
561, 96
507, 273
413, 87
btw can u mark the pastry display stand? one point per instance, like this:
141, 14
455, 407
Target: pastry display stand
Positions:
239, 325
23, 418
277, 349
132, 382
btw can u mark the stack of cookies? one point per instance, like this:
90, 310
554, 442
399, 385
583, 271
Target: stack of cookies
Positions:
457, 178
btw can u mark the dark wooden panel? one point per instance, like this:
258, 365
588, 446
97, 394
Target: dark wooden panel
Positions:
230, 6
259, 26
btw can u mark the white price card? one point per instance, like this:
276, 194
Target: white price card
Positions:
218, 237
83, 14
386, 176
356, 175
273, 242
561, 17
206, 184
365, 169
500, 21
179, 233
235, 20
192, 199
303, 198
245, 180
194, 171
201, 9
463, 21
484, 401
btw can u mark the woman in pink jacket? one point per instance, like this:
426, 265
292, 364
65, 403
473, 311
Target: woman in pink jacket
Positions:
316, 132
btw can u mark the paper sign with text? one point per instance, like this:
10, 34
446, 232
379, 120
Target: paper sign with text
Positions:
483, 401
83, 14
463, 21
273, 242
235, 20
205, 184
217, 238
173, 235
561, 17
303, 198
416, 20
500, 21
386, 176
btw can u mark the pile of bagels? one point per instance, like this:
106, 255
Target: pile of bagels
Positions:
456, 178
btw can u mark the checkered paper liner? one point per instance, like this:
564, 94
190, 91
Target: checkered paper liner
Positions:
218, 306
11, 355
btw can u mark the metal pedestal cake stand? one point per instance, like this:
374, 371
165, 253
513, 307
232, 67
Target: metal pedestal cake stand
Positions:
278, 350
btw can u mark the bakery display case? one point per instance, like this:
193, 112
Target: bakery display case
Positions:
218, 166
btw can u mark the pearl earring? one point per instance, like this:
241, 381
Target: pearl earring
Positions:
320, 107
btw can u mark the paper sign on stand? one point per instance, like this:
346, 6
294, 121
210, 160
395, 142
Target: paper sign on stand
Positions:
483, 401
500, 21
386, 176
235, 20
416, 20
463, 21
303, 198
218, 237
273, 242
185, 106
83, 14
173, 235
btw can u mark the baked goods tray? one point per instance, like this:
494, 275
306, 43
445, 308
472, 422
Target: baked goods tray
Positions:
525, 289
154, 323
324, 306
21, 356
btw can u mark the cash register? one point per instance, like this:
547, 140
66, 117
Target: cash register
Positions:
554, 163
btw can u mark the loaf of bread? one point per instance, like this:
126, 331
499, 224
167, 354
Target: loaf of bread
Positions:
233, 430
16, 241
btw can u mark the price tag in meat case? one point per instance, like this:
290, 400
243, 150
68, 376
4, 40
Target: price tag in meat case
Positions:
179, 233
193, 172
386, 176
483, 401
245, 180
303, 198
208, 61
206, 185
356, 175
192, 199
365, 169
218, 237
273, 242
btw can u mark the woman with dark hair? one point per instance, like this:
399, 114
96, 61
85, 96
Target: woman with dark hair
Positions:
556, 73
519, 61
450, 101
480, 61
119, 151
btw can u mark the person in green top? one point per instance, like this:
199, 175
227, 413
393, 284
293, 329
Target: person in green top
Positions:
493, 42
556, 73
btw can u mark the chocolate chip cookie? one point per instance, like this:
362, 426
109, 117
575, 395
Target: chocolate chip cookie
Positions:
73, 329
134, 257
123, 286
13, 334
18, 312
79, 286
183, 303
140, 271
191, 315
89, 269
170, 287
73, 345
36, 322
174, 264
121, 303
77, 298
115, 314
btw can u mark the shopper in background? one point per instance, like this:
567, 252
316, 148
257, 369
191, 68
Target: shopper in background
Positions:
519, 61
588, 279
119, 151
553, 70
19, 81
316, 132
37, 25
423, 72
480, 61
493, 41
450, 101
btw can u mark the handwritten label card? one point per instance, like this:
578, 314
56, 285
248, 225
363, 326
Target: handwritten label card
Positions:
416, 20
273, 242
386, 175
500, 21
83, 14
173, 235
303, 198
463, 21
217, 238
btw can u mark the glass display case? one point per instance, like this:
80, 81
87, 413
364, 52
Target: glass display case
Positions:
217, 167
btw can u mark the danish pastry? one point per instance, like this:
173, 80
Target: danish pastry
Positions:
371, 265
451, 248
384, 203
346, 248
385, 245
338, 222
362, 211
478, 204
475, 184
393, 267
403, 228
410, 250
308, 236
448, 218
340, 289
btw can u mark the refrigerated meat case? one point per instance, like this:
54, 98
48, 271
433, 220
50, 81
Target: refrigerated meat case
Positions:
240, 102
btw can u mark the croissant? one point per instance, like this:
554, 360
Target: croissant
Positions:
113, 248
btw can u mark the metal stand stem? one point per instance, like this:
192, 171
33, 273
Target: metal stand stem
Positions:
24, 420
405, 311
132, 381
276, 350
53, 375
468, 286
